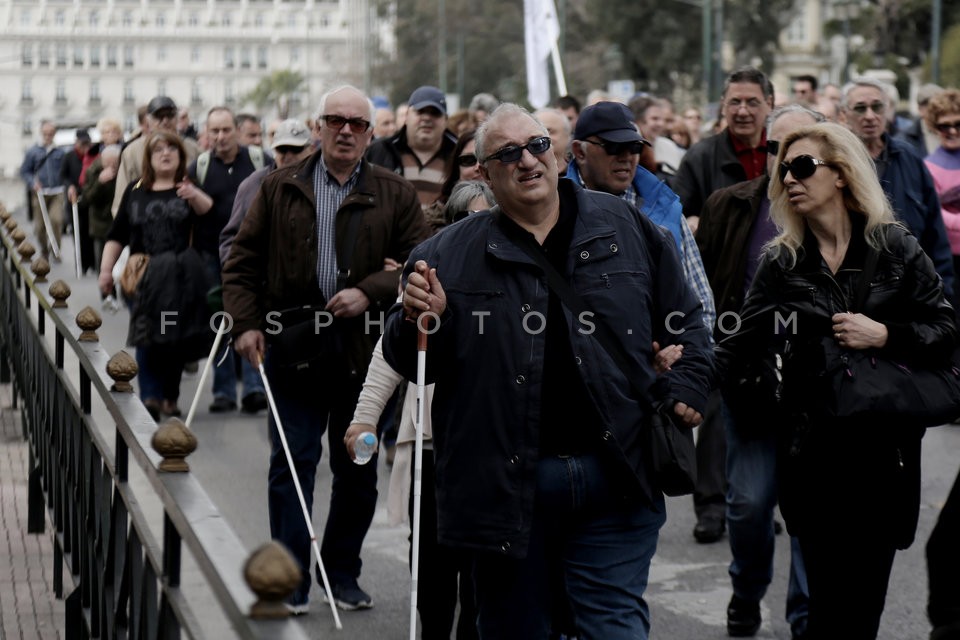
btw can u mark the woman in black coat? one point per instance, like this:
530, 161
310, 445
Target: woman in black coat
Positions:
849, 484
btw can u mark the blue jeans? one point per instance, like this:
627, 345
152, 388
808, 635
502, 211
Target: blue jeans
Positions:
225, 374
751, 498
310, 403
584, 536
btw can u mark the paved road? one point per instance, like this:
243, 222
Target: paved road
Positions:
689, 586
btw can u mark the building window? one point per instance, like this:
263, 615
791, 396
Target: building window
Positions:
195, 54
225, 20
94, 18
196, 95
61, 91
61, 55
193, 19
111, 55
26, 128
229, 94
128, 91
78, 55
324, 20
60, 17
228, 58
127, 19
44, 55
161, 52
162, 87
797, 29
245, 57
25, 18
130, 122
26, 91
94, 55
128, 55
94, 91
294, 55
26, 54
161, 21
292, 20
261, 57
258, 20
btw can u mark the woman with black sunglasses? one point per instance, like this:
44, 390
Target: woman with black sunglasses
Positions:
943, 116
466, 166
849, 484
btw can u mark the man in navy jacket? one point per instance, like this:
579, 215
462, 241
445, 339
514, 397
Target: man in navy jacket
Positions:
541, 458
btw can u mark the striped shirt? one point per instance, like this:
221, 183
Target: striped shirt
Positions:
330, 195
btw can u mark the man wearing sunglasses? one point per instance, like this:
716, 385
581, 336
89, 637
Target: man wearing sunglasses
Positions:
734, 228
316, 235
422, 151
903, 176
543, 475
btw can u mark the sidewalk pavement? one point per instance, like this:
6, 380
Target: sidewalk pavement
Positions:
28, 608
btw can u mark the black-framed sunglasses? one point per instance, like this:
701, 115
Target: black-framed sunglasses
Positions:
801, 167
947, 127
877, 107
357, 125
773, 147
512, 153
467, 160
616, 148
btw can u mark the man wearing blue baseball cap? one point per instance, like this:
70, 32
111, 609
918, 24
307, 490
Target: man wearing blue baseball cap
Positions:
422, 151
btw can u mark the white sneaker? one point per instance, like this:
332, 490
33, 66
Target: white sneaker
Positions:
298, 609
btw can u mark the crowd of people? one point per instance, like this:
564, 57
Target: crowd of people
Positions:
510, 236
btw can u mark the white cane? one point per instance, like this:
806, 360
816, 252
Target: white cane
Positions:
303, 502
417, 473
206, 371
76, 238
52, 239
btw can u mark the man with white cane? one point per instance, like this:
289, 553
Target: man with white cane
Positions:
541, 462
41, 172
304, 285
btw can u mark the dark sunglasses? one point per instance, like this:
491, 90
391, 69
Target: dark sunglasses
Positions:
616, 148
773, 147
467, 160
877, 107
801, 167
287, 149
357, 125
947, 127
512, 153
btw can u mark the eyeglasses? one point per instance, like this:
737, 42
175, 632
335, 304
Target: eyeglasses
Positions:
163, 148
751, 104
947, 127
467, 160
616, 148
512, 153
164, 114
284, 150
357, 125
801, 167
773, 147
877, 107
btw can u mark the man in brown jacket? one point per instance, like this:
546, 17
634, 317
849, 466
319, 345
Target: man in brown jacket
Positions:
317, 235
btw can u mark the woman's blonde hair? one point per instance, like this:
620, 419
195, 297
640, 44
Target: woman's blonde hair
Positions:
862, 195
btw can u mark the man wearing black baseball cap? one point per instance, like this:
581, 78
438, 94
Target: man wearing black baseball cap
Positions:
422, 151
161, 114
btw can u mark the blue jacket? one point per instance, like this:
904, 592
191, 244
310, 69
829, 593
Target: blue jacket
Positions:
48, 171
487, 399
909, 186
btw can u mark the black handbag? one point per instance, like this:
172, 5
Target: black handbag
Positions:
866, 382
671, 452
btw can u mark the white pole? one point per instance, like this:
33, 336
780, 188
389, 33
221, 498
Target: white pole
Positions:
417, 480
303, 502
558, 68
76, 238
206, 371
51, 239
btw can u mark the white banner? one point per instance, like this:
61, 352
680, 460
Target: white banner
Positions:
541, 29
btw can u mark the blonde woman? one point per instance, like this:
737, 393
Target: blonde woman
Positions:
850, 486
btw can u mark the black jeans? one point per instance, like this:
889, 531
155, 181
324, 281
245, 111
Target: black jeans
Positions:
943, 563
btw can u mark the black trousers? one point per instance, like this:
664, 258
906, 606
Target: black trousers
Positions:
943, 563
709, 495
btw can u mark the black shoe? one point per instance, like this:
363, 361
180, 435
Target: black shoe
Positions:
743, 618
153, 408
253, 402
709, 529
777, 527
222, 405
946, 632
349, 597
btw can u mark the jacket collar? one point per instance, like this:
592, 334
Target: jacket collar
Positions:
301, 177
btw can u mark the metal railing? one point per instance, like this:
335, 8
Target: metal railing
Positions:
86, 440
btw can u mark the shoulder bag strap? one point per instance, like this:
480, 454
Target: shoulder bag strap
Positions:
575, 303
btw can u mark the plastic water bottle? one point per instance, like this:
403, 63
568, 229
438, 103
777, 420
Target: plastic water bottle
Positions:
363, 447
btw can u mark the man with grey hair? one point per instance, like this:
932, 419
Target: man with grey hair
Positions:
734, 227
306, 270
558, 127
903, 176
481, 106
544, 475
